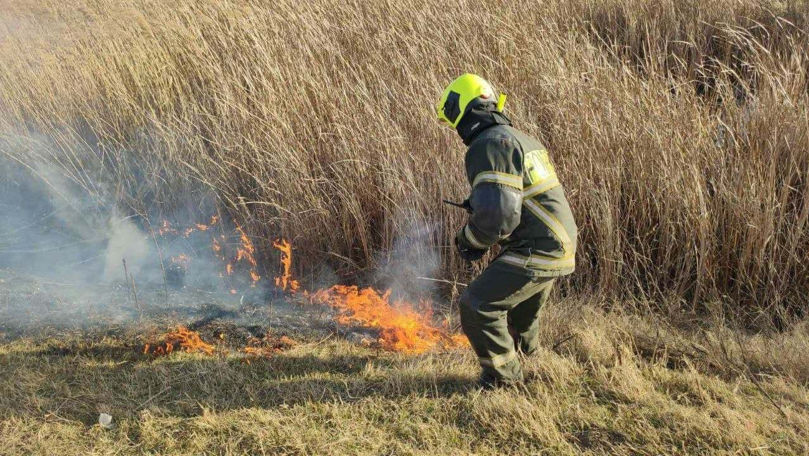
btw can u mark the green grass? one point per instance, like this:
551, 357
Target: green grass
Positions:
604, 390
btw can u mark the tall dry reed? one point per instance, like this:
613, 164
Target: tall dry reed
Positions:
679, 128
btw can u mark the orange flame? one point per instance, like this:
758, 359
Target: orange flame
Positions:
244, 258
166, 228
190, 341
181, 260
285, 282
246, 252
402, 325
182, 337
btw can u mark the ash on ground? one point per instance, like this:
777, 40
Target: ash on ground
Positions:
34, 307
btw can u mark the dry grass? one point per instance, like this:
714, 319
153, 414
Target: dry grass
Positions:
611, 389
680, 129
605, 382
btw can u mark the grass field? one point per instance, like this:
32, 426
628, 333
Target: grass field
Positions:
604, 383
679, 129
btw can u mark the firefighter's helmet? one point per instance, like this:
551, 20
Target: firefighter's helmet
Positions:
458, 96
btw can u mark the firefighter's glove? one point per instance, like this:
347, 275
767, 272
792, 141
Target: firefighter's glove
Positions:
466, 250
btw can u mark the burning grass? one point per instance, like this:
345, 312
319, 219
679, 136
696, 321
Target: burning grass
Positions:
402, 325
610, 389
267, 345
180, 338
285, 282
188, 341
399, 324
233, 248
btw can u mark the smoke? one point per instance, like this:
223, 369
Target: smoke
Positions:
52, 227
62, 221
412, 258
64, 235
125, 241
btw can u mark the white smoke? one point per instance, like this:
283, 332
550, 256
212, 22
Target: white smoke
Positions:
57, 226
125, 242
412, 258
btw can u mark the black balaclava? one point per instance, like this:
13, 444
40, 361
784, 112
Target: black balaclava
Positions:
479, 116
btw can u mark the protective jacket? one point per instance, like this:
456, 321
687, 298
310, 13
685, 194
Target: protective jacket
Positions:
516, 198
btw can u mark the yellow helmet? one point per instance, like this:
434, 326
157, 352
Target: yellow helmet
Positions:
452, 105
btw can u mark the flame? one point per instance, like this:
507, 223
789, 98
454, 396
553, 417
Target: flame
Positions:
181, 260
181, 337
285, 282
189, 341
246, 252
267, 345
166, 227
402, 325
243, 258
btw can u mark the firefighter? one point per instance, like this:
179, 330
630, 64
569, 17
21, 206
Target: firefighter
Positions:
516, 201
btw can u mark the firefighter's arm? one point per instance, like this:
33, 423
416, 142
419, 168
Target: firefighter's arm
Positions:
494, 168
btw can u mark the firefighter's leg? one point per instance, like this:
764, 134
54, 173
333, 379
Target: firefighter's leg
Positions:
523, 319
484, 309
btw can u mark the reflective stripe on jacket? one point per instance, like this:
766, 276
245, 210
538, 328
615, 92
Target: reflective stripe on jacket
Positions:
517, 200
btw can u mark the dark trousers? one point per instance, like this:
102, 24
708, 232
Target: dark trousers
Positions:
500, 316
